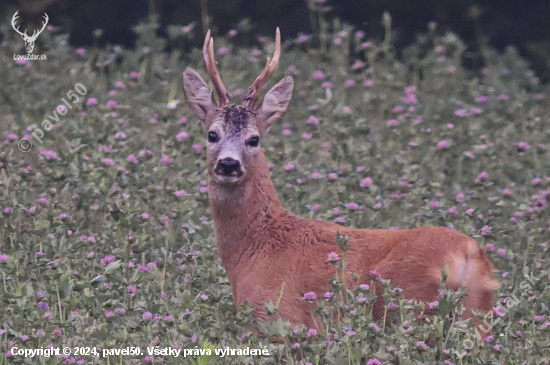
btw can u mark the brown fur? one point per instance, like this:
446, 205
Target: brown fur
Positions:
262, 245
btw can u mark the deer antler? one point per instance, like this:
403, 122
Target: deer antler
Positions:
254, 91
24, 34
208, 52
13, 20
35, 33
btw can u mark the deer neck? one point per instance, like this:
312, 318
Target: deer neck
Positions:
242, 213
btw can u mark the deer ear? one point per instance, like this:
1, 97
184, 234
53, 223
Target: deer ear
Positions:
275, 103
199, 96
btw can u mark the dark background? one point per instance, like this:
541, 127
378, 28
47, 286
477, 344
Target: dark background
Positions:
498, 23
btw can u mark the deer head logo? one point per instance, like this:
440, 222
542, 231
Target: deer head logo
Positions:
29, 40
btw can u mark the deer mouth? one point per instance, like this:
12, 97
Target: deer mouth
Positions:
228, 178
228, 172
225, 179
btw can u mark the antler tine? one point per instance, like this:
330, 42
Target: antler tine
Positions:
208, 53
45, 22
13, 24
37, 32
254, 91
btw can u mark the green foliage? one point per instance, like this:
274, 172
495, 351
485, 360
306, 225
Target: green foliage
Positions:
103, 245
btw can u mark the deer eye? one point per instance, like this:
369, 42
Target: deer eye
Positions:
253, 142
212, 137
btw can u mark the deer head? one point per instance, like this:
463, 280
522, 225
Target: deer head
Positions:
234, 131
29, 40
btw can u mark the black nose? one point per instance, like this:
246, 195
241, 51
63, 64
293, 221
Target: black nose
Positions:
228, 166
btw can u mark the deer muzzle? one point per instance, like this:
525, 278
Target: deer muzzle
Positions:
228, 167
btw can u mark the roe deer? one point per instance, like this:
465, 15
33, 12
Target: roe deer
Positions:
262, 245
